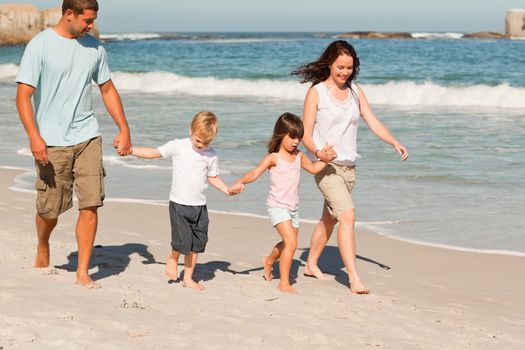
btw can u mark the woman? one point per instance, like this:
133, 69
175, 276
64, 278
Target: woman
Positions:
332, 108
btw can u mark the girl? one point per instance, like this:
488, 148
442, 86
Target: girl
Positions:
332, 108
284, 161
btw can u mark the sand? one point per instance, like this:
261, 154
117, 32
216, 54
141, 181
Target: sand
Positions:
422, 297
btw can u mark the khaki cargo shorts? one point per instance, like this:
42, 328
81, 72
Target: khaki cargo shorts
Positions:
79, 166
336, 183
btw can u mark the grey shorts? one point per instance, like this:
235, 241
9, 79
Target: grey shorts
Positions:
78, 166
189, 227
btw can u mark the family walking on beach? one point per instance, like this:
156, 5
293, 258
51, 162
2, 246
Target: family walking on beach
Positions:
57, 70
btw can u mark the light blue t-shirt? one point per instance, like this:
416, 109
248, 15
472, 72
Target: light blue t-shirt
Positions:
62, 71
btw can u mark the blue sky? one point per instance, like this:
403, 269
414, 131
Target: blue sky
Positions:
297, 15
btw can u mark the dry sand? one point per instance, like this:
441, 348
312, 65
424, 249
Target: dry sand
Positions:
422, 297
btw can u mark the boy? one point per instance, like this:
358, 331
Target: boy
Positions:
194, 164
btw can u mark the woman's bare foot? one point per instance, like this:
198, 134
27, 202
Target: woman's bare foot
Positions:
267, 269
314, 271
42, 257
87, 282
357, 287
287, 289
172, 267
192, 284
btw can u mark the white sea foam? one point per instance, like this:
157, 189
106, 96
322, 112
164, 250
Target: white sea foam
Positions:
130, 36
431, 94
405, 93
8, 70
165, 82
449, 35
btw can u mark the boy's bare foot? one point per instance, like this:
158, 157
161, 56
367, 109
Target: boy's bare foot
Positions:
42, 257
314, 271
172, 267
357, 287
287, 289
87, 282
267, 269
192, 284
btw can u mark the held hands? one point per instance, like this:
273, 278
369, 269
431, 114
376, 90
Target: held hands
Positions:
327, 154
236, 188
122, 143
402, 151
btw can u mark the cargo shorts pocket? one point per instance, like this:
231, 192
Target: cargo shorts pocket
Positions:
53, 201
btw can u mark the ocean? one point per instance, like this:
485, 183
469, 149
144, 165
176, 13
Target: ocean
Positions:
457, 104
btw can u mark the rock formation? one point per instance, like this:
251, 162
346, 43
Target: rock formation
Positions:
375, 35
484, 35
21, 22
515, 23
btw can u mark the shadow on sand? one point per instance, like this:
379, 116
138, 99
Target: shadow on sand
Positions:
110, 260
331, 263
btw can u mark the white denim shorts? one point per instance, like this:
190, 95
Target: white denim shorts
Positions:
278, 215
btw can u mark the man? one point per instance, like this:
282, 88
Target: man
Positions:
57, 70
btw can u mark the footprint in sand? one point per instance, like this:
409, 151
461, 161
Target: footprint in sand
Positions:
46, 271
138, 333
133, 300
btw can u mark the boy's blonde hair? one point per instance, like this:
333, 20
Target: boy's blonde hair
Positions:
205, 125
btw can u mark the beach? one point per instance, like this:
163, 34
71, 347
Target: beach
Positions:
422, 297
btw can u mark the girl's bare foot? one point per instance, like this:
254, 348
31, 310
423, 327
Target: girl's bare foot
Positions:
192, 284
287, 289
314, 271
172, 267
357, 287
267, 269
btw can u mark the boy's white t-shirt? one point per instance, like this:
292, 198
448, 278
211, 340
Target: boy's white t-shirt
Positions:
190, 171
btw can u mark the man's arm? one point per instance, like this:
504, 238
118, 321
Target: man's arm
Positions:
113, 104
27, 116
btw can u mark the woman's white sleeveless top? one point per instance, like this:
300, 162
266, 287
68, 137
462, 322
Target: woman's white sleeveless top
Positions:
336, 124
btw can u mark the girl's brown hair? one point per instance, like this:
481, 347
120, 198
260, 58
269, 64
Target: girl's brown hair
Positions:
287, 124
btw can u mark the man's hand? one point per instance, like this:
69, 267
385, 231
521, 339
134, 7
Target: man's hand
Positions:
39, 149
122, 143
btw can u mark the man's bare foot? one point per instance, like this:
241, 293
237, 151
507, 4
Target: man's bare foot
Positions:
42, 257
267, 269
172, 267
287, 289
87, 282
192, 284
314, 271
357, 287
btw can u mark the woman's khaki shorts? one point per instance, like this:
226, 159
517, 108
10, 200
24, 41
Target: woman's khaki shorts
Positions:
79, 166
336, 183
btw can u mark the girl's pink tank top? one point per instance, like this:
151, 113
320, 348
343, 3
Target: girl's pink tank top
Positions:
284, 180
